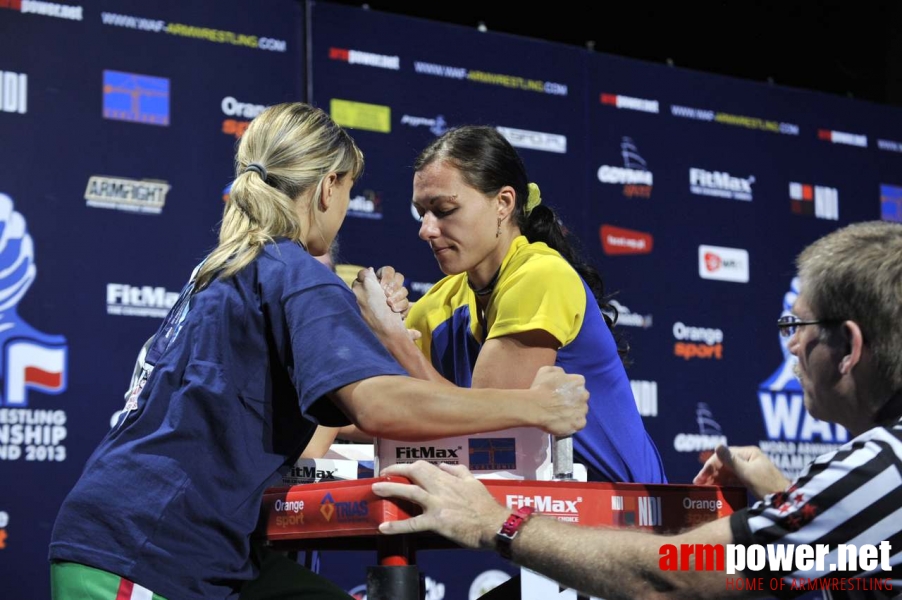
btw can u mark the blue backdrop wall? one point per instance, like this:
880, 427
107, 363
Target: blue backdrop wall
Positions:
692, 193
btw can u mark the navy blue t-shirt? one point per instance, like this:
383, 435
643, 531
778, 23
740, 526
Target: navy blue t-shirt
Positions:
172, 494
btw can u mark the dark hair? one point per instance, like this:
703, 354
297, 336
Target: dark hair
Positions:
488, 162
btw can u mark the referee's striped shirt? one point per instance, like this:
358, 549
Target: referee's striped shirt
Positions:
850, 496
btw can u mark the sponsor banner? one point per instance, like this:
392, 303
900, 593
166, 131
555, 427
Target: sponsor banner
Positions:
697, 342
641, 511
720, 184
630, 103
534, 140
711, 116
627, 318
889, 145
617, 241
136, 98
132, 195
367, 59
360, 115
702, 443
4, 522
646, 395
486, 582
499, 79
139, 301
814, 200
891, 203
13, 92
207, 34
437, 126
70, 12
842, 137
366, 206
492, 454
635, 177
723, 264
242, 112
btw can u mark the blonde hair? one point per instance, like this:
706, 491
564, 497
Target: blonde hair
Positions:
297, 145
855, 273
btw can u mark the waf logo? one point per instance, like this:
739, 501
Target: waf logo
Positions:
814, 200
616, 241
136, 98
634, 175
29, 359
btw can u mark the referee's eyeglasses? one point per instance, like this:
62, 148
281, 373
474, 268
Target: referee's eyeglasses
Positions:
789, 324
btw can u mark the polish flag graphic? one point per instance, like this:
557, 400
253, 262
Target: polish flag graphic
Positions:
33, 366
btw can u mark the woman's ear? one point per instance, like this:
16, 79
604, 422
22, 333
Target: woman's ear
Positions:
325, 196
507, 201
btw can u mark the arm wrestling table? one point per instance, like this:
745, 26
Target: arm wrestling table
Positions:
345, 515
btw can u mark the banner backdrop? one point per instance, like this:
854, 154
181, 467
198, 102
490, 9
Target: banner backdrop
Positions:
117, 133
692, 193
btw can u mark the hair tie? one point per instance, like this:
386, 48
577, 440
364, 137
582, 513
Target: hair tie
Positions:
257, 168
534, 199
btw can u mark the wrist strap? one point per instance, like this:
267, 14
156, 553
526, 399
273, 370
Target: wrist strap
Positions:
505, 536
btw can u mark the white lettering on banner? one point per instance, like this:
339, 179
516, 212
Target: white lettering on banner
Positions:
562, 510
294, 506
826, 203
356, 57
709, 505
146, 195
139, 301
13, 92
234, 108
697, 334
646, 395
889, 145
429, 453
716, 183
51, 9
782, 416
650, 511
622, 175
35, 434
534, 140
697, 442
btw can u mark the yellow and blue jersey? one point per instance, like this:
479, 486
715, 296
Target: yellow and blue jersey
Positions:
538, 289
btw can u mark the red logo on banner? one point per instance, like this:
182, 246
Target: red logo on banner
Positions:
616, 240
13, 4
339, 54
712, 261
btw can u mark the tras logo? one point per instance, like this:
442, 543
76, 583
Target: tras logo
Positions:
29, 359
492, 454
343, 512
634, 175
795, 438
136, 98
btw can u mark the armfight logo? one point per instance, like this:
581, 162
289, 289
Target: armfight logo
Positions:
13, 92
795, 438
136, 98
634, 176
244, 111
814, 200
146, 196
